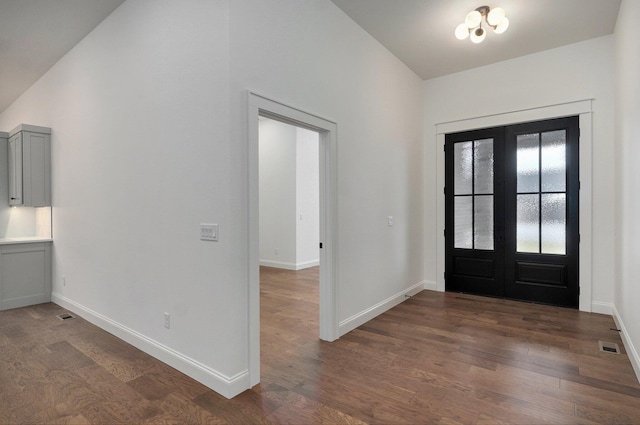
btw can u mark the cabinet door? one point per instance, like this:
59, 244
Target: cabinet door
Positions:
15, 170
36, 186
25, 275
29, 167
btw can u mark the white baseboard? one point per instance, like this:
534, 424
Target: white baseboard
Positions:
632, 353
218, 382
602, 308
289, 266
307, 264
430, 285
364, 316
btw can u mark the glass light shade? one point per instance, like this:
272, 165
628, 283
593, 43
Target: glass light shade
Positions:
462, 31
473, 19
502, 26
495, 16
478, 35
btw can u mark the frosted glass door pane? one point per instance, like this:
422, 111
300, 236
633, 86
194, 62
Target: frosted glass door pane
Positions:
554, 162
528, 223
463, 168
554, 221
528, 169
463, 210
483, 215
483, 166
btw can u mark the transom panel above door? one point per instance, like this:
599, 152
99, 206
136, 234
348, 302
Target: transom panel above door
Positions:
511, 209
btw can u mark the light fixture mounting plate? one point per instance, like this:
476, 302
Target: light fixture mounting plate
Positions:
484, 10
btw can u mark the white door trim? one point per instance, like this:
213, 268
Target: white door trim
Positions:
583, 109
261, 106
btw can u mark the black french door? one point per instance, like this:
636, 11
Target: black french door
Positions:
511, 205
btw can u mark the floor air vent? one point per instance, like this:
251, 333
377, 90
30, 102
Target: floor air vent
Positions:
609, 347
65, 316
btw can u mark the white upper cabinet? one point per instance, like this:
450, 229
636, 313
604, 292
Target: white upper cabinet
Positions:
29, 155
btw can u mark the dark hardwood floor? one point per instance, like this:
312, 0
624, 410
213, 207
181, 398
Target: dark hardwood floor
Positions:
437, 358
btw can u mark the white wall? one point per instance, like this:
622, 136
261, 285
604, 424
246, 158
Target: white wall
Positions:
307, 198
20, 222
277, 194
576, 72
310, 55
139, 112
149, 139
627, 288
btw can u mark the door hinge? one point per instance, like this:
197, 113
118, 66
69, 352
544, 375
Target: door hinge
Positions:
444, 233
444, 275
579, 185
444, 189
320, 245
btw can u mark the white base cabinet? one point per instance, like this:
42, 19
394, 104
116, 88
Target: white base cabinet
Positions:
25, 274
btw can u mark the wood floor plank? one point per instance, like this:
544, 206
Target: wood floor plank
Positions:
437, 358
306, 411
180, 409
114, 363
588, 395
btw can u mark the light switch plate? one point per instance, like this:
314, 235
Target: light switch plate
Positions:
208, 232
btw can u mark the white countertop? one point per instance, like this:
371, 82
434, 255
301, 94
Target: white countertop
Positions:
25, 239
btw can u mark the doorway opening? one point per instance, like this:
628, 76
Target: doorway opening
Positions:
289, 187
289, 241
512, 211
260, 106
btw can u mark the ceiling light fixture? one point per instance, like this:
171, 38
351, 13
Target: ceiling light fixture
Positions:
472, 25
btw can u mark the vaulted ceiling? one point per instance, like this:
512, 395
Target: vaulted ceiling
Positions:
421, 32
35, 34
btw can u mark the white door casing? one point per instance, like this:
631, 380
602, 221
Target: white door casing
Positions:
261, 106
